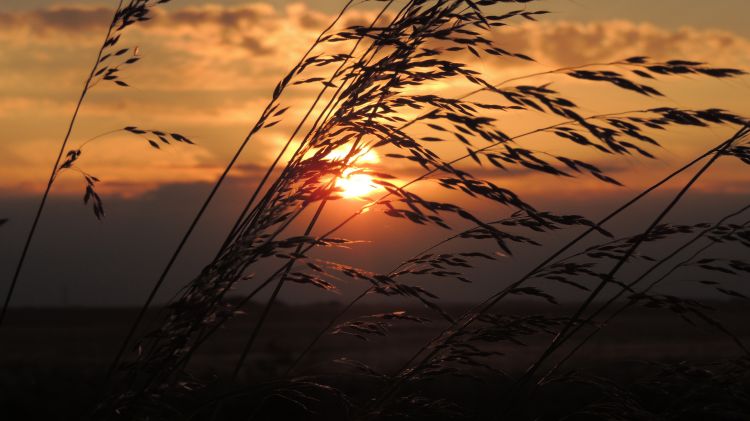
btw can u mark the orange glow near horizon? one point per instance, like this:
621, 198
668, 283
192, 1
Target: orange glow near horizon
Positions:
353, 183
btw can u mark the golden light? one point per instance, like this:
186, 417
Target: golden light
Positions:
355, 185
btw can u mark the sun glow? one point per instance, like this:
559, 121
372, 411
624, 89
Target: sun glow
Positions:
354, 183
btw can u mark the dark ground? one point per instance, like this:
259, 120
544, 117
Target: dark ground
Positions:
52, 361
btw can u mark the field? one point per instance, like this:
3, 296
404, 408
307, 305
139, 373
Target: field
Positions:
54, 359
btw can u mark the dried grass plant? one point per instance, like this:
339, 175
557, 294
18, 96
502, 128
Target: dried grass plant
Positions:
368, 79
111, 59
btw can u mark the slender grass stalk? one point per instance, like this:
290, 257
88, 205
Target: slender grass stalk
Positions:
242, 220
558, 340
272, 299
160, 281
597, 328
474, 314
312, 223
55, 168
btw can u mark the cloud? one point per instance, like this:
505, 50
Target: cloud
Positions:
213, 47
228, 47
253, 27
209, 70
54, 21
126, 165
568, 43
258, 28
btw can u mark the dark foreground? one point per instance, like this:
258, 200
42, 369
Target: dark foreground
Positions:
648, 365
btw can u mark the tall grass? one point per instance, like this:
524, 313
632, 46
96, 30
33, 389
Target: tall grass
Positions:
366, 92
111, 60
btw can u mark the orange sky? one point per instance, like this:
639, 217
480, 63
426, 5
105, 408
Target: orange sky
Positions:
207, 69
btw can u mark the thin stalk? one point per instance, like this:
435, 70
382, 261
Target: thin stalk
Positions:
558, 340
98, 137
316, 129
50, 182
243, 218
323, 331
485, 306
362, 295
314, 220
196, 219
236, 228
272, 299
629, 304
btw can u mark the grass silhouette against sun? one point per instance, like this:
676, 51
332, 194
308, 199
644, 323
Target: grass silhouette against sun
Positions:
367, 79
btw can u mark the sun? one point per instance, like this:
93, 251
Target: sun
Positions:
355, 185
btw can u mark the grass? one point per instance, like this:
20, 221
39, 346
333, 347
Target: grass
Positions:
110, 60
366, 95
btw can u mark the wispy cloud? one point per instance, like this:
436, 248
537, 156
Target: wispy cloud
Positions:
573, 43
207, 70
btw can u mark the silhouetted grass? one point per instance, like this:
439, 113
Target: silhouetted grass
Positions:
372, 89
110, 60
369, 81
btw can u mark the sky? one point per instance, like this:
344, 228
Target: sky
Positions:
206, 70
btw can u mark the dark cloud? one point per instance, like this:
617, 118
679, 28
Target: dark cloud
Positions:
310, 20
255, 46
55, 20
226, 17
252, 27
72, 19
236, 26
573, 43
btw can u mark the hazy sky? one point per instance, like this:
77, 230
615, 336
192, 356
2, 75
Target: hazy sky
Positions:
207, 69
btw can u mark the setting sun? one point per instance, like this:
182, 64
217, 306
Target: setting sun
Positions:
355, 185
